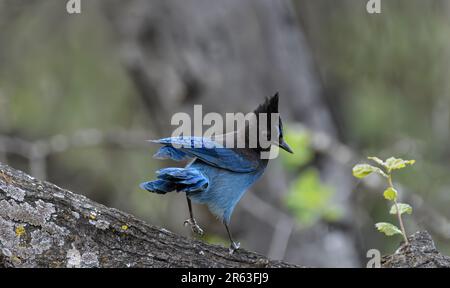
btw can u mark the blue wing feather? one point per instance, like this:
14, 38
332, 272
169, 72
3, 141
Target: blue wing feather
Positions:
168, 152
207, 150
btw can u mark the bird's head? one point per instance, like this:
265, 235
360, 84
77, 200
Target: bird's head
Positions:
269, 107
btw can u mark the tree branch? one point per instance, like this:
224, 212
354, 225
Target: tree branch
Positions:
42, 225
419, 253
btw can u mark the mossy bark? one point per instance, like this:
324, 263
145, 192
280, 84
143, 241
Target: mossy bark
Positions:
419, 253
42, 225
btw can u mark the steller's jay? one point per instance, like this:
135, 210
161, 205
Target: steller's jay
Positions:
216, 176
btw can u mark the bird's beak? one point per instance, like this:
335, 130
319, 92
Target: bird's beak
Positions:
283, 145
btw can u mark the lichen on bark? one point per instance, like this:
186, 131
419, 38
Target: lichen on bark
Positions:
42, 225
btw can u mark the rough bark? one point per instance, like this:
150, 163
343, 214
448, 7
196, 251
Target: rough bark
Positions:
42, 225
420, 253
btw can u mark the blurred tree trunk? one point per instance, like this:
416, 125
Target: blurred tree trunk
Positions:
228, 56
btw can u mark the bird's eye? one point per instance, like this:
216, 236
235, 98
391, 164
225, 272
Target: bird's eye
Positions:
280, 128
280, 131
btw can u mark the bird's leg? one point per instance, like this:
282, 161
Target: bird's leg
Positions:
191, 221
234, 245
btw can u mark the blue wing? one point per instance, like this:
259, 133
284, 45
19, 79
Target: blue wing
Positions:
168, 152
179, 148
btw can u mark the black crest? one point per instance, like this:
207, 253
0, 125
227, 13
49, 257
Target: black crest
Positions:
269, 106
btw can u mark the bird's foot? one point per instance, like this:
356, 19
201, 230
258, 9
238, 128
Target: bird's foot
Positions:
194, 226
233, 247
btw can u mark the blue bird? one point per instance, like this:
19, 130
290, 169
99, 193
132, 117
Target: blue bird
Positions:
217, 176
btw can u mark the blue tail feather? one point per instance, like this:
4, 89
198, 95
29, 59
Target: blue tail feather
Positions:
158, 186
177, 179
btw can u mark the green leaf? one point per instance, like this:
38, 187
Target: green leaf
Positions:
363, 170
402, 207
388, 229
397, 163
377, 160
390, 194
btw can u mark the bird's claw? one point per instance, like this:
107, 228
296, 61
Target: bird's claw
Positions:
194, 226
233, 247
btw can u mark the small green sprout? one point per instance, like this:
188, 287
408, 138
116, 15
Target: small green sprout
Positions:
387, 167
